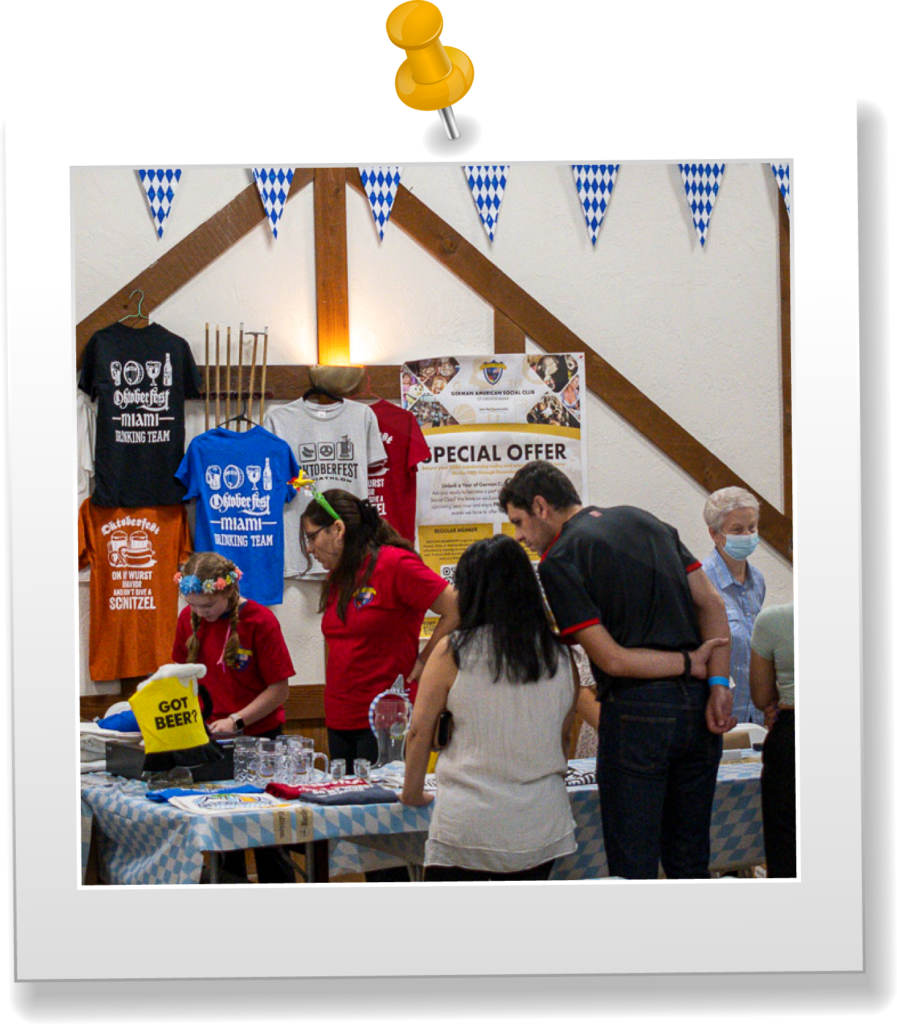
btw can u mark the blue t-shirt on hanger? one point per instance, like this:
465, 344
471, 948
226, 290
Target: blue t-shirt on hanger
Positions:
241, 485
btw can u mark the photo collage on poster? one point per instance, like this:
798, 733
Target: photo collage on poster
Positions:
560, 374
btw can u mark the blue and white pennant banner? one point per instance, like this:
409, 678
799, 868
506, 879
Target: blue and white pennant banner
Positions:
274, 187
487, 186
782, 174
381, 185
594, 185
701, 183
159, 186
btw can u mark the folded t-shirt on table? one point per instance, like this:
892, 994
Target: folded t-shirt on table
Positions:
161, 796
347, 791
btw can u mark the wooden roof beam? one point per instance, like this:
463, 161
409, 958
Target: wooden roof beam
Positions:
160, 280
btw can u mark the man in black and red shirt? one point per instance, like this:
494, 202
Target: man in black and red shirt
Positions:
621, 583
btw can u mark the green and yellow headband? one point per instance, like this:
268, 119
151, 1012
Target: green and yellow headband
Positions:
305, 481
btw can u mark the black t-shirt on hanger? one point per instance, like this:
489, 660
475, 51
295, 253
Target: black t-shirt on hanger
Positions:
140, 378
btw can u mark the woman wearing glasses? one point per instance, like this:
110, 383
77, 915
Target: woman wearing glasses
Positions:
374, 600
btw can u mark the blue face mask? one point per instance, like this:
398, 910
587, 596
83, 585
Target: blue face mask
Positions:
741, 546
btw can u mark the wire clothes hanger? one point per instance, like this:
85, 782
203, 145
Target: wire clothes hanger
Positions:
368, 391
241, 417
316, 389
140, 315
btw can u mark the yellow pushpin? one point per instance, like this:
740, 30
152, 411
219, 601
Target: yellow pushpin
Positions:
434, 76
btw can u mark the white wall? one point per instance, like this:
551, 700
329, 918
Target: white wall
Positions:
696, 330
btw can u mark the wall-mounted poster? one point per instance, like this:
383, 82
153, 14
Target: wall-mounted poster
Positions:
483, 418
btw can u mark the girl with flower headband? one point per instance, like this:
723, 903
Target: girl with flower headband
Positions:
248, 667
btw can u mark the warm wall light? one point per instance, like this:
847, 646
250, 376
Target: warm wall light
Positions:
333, 349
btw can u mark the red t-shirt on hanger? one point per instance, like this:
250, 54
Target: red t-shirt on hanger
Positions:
393, 492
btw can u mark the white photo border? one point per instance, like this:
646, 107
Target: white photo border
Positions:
811, 925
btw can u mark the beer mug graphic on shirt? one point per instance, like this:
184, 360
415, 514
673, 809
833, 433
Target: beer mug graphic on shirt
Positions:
345, 449
115, 370
213, 477
115, 548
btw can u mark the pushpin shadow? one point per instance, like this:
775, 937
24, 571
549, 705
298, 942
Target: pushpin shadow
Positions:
439, 144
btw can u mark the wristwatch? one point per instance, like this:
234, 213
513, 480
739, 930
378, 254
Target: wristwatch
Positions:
237, 720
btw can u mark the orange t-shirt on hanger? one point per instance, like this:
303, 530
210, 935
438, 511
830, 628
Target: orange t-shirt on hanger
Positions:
133, 554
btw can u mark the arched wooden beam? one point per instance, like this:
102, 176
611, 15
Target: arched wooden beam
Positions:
456, 254
184, 261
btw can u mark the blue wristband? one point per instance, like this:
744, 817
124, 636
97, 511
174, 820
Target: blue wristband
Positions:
718, 681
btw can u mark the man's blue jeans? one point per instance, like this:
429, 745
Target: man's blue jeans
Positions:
657, 765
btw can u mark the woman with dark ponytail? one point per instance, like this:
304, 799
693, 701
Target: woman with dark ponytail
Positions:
374, 601
502, 810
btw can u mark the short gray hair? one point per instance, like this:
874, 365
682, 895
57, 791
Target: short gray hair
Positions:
724, 501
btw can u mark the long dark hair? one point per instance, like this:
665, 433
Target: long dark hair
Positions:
365, 534
497, 587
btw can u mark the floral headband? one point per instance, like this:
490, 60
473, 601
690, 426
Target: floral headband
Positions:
194, 585
303, 480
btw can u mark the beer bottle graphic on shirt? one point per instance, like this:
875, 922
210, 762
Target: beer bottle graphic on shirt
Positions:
166, 372
267, 482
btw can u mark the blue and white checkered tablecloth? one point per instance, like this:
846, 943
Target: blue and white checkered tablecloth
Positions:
142, 842
736, 831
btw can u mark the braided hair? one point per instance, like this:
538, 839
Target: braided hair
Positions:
365, 534
209, 565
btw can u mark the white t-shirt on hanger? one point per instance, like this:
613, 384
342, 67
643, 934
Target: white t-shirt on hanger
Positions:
336, 445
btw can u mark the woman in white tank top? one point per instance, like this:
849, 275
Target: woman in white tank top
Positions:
502, 810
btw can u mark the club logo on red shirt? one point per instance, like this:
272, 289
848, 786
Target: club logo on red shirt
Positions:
244, 656
363, 596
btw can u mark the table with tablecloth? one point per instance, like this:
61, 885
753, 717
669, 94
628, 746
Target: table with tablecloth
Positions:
143, 842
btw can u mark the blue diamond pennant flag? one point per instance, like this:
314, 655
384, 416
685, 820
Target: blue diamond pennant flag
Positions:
487, 186
594, 186
701, 183
159, 186
782, 174
381, 185
274, 187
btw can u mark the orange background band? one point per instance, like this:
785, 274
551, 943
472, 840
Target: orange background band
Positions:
339, 47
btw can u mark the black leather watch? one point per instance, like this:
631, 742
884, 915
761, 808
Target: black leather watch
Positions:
237, 720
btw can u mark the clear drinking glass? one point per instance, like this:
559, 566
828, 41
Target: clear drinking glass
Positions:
294, 752
361, 767
283, 768
306, 772
245, 752
267, 762
338, 768
308, 745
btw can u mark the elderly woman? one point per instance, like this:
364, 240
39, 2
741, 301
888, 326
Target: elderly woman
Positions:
732, 515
